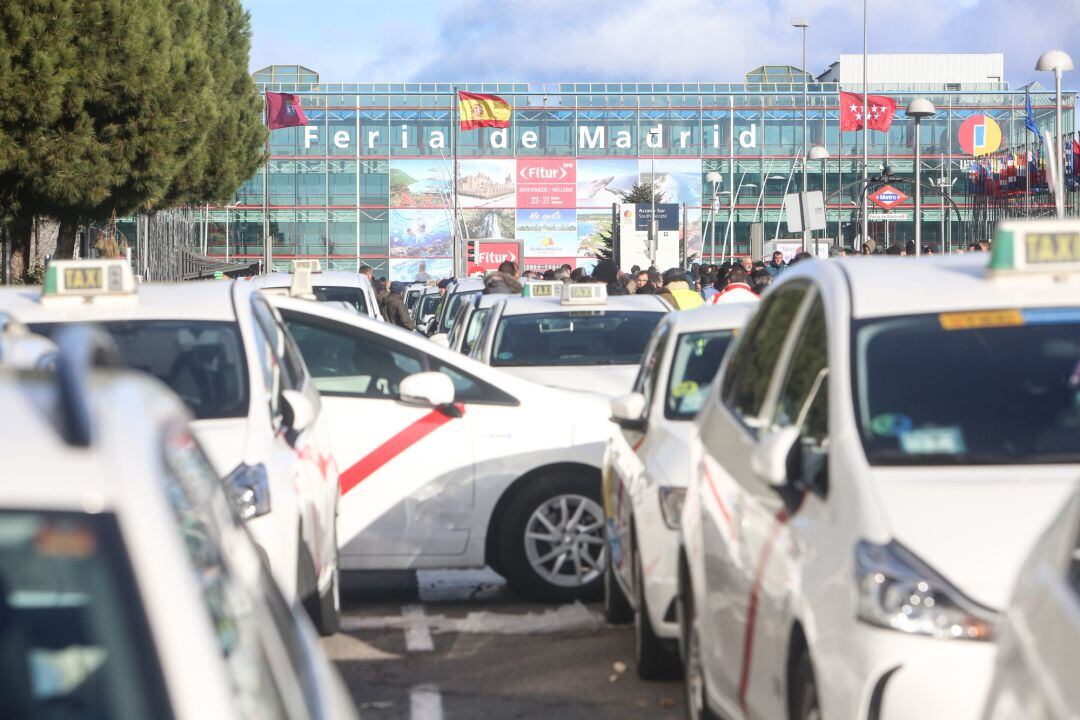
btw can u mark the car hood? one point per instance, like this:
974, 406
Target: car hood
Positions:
974, 525
223, 441
607, 380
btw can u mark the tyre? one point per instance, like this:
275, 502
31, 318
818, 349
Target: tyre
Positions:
617, 610
323, 608
697, 704
656, 658
551, 539
804, 697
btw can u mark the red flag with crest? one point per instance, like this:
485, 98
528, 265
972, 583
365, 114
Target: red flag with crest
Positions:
283, 110
880, 111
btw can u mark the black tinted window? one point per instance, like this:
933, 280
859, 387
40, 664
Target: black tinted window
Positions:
605, 337
352, 296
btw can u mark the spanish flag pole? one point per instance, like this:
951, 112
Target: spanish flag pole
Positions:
460, 264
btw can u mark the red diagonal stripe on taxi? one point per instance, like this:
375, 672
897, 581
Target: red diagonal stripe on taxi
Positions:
393, 447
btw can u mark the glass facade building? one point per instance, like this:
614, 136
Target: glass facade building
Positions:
369, 179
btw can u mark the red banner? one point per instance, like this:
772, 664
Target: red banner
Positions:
546, 183
489, 255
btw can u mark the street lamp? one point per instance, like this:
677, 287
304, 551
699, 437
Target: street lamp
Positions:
804, 25
919, 108
715, 179
1057, 61
652, 199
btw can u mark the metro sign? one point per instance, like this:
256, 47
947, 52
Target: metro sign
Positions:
888, 197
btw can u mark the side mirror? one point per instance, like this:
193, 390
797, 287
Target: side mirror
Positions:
627, 411
431, 324
297, 410
769, 460
429, 389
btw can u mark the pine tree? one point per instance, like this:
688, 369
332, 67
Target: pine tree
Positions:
642, 193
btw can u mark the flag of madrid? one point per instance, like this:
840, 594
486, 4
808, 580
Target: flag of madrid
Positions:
879, 112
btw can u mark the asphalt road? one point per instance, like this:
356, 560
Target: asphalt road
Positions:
459, 645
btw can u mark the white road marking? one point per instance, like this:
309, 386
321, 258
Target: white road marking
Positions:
417, 631
565, 618
425, 703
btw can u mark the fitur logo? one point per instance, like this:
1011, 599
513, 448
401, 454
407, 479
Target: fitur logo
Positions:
980, 135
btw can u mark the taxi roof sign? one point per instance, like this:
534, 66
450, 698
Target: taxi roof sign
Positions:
1049, 246
542, 289
301, 284
310, 264
87, 278
584, 294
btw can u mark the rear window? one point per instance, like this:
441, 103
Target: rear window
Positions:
202, 362
73, 637
451, 308
585, 337
352, 296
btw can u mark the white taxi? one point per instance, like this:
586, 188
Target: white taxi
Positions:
471, 321
571, 335
350, 288
1040, 630
447, 463
645, 470
128, 588
426, 309
456, 292
20, 348
221, 347
884, 442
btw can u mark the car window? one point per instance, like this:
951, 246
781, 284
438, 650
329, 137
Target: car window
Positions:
469, 389
695, 362
806, 375
575, 338
353, 296
751, 367
476, 326
650, 368
451, 307
74, 641
345, 361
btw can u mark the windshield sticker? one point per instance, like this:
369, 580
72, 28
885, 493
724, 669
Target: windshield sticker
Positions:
1052, 316
686, 387
933, 441
890, 424
506, 355
979, 319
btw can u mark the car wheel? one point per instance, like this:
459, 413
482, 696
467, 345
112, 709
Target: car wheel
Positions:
617, 610
656, 658
804, 690
552, 539
323, 608
697, 704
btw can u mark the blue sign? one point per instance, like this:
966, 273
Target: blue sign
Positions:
667, 216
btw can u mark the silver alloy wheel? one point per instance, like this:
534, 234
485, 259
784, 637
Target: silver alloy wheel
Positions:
564, 540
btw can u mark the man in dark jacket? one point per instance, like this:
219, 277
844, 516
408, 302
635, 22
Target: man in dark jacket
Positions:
393, 308
607, 272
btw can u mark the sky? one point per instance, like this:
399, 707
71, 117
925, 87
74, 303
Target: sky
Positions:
639, 40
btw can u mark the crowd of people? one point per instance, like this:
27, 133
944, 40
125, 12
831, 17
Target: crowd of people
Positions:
741, 280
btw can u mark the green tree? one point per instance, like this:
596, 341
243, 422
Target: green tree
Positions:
642, 193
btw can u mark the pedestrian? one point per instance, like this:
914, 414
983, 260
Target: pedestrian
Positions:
503, 281
799, 257
737, 289
676, 290
714, 283
549, 274
760, 280
393, 307
641, 279
369, 272
561, 274
746, 264
607, 272
777, 265
577, 274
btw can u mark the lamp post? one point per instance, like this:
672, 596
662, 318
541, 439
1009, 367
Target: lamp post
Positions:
804, 25
715, 179
1057, 61
919, 108
652, 199
816, 153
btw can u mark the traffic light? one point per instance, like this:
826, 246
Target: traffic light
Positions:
470, 250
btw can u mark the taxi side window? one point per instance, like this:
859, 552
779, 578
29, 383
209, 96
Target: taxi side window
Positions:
751, 367
469, 389
476, 324
268, 365
805, 388
345, 361
650, 368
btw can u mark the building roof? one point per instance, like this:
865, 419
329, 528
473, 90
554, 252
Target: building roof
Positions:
960, 69
787, 74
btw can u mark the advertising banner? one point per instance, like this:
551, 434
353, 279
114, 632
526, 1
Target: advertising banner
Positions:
546, 182
419, 233
594, 227
678, 180
406, 270
600, 181
419, 183
548, 232
489, 255
541, 264
486, 183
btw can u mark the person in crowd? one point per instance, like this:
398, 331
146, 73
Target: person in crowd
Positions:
655, 278
368, 271
577, 275
737, 289
561, 274
393, 307
607, 272
676, 290
641, 279
777, 265
895, 250
503, 281
549, 274
567, 268
746, 264
799, 257
760, 280
984, 246
443, 284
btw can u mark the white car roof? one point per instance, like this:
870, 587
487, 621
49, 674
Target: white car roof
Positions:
204, 300
326, 278
466, 284
711, 317
898, 285
517, 305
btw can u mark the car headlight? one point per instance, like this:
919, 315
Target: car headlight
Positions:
671, 502
248, 487
897, 590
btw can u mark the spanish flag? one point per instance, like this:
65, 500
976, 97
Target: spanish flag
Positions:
476, 110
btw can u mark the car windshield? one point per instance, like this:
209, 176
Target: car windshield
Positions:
351, 295
73, 635
585, 337
452, 306
697, 357
202, 361
411, 296
985, 387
